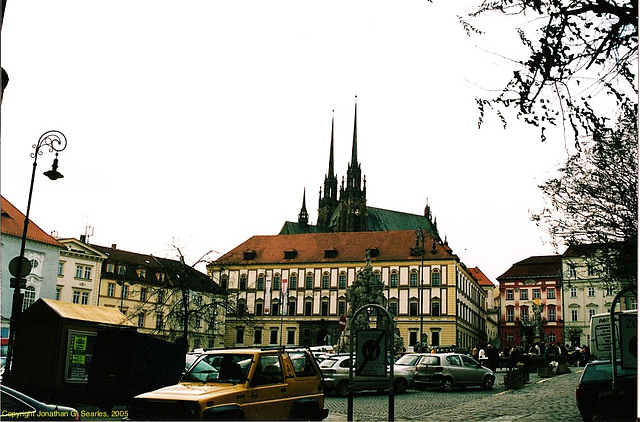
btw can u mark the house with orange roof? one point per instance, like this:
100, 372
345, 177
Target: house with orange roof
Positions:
41, 249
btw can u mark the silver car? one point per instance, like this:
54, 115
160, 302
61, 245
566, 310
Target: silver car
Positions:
335, 374
448, 370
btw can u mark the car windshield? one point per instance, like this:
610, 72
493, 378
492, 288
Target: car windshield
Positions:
408, 360
223, 367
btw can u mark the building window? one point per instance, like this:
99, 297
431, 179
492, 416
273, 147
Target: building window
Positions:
291, 336
293, 281
551, 313
259, 308
260, 282
58, 292
413, 337
141, 320
76, 296
510, 314
240, 335
324, 308
591, 269
509, 294
377, 276
257, 336
111, 288
273, 336
308, 307
435, 308
524, 314
413, 278
574, 315
552, 337
275, 306
413, 308
393, 308
536, 294
572, 271
85, 298
592, 312
160, 277
435, 278
325, 280
159, 319
309, 281
125, 290
243, 282
551, 293
291, 308
276, 282
241, 308
342, 307
122, 269
394, 279
592, 291
524, 294
573, 292
510, 338
143, 294
83, 272
60, 268
342, 281
141, 273
224, 281
110, 268
198, 322
435, 338
160, 296
609, 291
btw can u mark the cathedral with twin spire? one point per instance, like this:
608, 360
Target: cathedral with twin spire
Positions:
346, 209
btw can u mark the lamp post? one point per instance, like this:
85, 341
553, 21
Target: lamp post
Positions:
19, 266
420, 237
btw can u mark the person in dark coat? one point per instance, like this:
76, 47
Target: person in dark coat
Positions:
493, 357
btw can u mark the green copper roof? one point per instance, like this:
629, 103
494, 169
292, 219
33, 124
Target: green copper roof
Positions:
378, 219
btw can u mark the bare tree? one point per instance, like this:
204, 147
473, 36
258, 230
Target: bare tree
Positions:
584, 48
595, 201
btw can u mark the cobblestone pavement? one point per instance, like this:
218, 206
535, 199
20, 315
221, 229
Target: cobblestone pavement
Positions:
541, 400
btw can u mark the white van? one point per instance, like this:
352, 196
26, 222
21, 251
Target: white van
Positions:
626, 331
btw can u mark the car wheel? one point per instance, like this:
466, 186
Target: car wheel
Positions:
400, 386
447, 385
342, 389
586, 416
487, 383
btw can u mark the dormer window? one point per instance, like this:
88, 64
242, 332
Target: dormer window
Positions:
290, 254
330, 253
374, 252
249, 255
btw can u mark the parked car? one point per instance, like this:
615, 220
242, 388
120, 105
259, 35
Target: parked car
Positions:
335, 372
409, 361
17, 406
448, 370
594, 395
240, 384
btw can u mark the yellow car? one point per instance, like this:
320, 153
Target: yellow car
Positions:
240, 384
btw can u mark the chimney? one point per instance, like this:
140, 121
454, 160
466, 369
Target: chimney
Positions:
83, 238
113, 246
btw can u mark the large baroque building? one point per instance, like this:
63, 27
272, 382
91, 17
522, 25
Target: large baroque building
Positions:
79, 271
291, 288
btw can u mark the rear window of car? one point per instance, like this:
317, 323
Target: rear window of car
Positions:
408, 360
603, 372
328, 363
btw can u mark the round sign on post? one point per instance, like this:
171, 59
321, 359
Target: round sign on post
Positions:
20, 267
343, 323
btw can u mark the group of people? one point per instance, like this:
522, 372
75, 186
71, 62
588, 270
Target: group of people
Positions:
509, 357
488, 356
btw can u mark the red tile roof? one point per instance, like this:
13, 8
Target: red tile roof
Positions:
13, 225
483, 280
350, 247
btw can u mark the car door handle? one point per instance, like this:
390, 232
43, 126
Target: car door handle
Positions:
254, 395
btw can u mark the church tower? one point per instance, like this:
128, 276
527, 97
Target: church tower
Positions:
328, 203
353, 197
303, 216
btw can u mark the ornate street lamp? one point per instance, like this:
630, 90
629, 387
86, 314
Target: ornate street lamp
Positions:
20, 267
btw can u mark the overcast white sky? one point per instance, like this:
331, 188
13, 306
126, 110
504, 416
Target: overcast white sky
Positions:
203, 121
